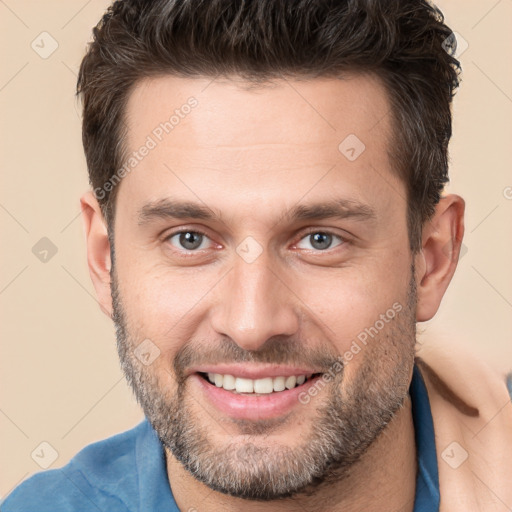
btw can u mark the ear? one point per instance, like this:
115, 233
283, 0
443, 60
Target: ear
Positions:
98, 250
439, 255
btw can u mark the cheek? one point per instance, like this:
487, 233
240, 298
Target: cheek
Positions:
352, 301
165, 305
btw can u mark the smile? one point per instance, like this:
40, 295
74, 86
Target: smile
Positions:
241, 397
264, 385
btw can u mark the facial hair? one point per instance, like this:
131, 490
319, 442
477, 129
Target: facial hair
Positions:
349, 418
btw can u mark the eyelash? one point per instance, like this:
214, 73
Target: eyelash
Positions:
310, 231
185, 251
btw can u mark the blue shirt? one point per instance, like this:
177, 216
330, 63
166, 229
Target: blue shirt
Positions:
127, 472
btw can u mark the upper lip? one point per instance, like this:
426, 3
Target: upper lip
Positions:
253, 372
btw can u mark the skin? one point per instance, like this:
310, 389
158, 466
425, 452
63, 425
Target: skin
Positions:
251, 155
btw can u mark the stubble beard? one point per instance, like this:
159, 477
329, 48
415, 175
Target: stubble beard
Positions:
349, 418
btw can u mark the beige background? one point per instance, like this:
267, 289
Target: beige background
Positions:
60, 380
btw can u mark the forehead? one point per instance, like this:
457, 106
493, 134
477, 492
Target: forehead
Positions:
227, 136
304, 111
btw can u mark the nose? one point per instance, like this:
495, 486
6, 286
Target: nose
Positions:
253, 304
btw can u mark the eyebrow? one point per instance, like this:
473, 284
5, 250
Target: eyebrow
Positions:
173, 209
338, 209
168, 209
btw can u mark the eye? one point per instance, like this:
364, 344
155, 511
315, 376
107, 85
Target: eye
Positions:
188, 240
320, 241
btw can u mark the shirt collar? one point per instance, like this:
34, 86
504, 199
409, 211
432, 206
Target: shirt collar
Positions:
427, 481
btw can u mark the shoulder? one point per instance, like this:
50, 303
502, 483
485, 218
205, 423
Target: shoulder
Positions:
473, 427
473, 377
87, 482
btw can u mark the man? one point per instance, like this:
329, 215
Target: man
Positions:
266, 226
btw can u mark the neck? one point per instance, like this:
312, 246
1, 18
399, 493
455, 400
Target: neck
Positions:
384, 479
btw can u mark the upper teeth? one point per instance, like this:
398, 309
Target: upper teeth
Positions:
265, 385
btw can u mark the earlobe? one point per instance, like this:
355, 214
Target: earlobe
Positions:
438, 258
98, 250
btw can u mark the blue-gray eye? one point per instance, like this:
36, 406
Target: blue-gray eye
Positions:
189, 240
320, 241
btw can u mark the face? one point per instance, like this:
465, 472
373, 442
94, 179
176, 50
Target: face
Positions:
263, 288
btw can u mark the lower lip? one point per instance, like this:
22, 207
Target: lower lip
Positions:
253, 407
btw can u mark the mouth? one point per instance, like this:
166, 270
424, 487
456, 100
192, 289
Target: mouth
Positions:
256, 387
253, 399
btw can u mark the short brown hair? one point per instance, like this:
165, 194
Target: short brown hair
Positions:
403, 42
